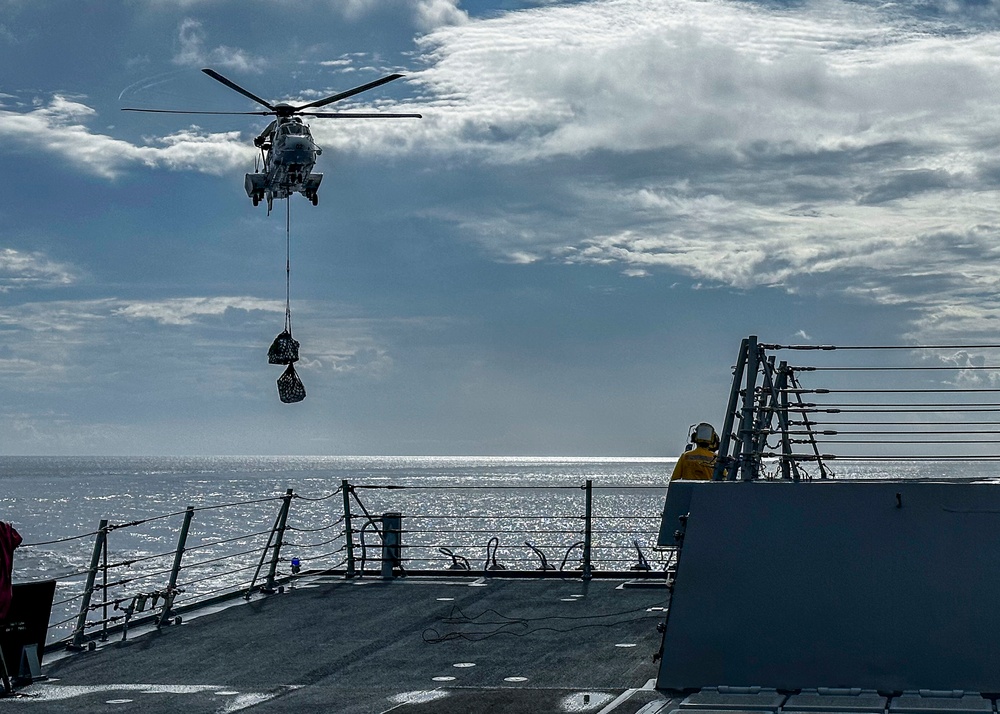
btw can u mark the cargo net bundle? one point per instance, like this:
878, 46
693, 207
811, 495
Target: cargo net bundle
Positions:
869, 405
285, 349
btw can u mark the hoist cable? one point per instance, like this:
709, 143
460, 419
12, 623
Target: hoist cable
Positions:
288, 266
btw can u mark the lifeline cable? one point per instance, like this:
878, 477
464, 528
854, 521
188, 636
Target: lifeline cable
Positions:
319, 498
912, 348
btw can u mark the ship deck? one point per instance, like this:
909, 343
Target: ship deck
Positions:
410, 645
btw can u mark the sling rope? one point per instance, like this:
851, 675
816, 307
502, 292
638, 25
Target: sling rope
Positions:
288, 266
285, 350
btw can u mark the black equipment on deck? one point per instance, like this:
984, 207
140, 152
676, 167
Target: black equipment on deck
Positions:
22, 634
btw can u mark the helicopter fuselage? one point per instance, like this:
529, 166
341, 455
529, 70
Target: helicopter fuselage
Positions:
286, 145
289, 155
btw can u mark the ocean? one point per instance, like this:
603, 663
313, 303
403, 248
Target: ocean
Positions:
478, 508
508, 512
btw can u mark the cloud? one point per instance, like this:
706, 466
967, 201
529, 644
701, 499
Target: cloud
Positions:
224, 339
833, 147
521, 257
431, 14
193, 53
426, 15
628, 75
60, 127
188, 311
32, 270
47, 428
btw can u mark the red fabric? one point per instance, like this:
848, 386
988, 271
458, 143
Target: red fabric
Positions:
9, 540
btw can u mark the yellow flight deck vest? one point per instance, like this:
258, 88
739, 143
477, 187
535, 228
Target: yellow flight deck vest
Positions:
695, 465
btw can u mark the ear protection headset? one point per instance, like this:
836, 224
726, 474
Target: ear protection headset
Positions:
704, 434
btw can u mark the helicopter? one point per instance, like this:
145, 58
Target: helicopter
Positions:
287, 149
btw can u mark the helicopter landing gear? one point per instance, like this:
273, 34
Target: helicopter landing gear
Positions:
310, 188
255, 185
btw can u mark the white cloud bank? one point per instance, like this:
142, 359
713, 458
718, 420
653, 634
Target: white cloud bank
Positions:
826, 147
59, 126
630, 75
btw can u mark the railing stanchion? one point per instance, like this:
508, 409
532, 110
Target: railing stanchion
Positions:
181, 542
279, 541
267, 546
104, 589
346, 488
100, 544
175, 569
749, 465
588, 529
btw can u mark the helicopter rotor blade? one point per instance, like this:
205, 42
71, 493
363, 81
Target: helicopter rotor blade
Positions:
348, 93
183, 111
232, 85
359, 115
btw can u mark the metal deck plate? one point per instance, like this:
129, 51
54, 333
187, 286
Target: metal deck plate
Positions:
915, 704
709, 699
359, 647
816, 702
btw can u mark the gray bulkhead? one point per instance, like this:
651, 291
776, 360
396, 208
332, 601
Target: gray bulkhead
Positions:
887, 586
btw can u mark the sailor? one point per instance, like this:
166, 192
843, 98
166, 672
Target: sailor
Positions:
698, 462
9, 540
263, 141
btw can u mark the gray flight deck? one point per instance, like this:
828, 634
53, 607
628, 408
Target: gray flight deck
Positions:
864, 597
411, 645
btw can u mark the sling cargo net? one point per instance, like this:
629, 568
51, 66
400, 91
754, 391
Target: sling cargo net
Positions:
290, 387
284, 349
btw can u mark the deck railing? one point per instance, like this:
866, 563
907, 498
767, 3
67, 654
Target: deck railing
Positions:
151, 571
861, 403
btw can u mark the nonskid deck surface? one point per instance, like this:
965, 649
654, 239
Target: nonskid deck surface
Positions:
412, 645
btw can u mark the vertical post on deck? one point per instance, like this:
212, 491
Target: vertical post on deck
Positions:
588, 529
767, 408
100, 543
750, 461
725, 463
346, 488
104, 589
786, 444
392, 543
181, 542
286, 503
175, 569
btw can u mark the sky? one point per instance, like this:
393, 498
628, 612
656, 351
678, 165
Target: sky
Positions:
561, 258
